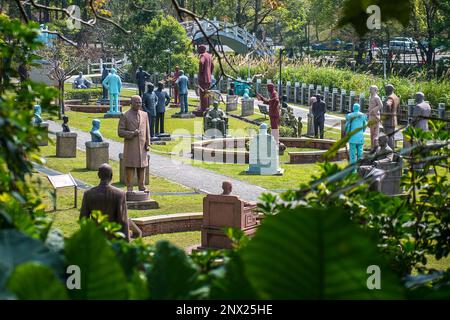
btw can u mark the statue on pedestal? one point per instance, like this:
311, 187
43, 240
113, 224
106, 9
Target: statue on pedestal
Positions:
96, 135
110, 200
246, 94
37, 119
81, 82
375, 106
176, 75
422, 109
356, 125
182, 85
205, 70
319, 109
389, 116
65, 125
134, 128
274, 110
150, 101
113, 84
216, 121
141, 77
310, 123
163, 102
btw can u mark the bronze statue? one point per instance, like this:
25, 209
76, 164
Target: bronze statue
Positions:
389, 118
215, 119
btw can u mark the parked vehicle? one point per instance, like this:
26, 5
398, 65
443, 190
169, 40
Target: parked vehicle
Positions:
399, 46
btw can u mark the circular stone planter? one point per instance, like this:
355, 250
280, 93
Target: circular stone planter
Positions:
75, 105
224, 150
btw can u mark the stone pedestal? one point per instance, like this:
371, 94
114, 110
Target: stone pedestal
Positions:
97, 153
248, 107
183, 115
231, 103
122, 172
66, 145
44, 129
140, 200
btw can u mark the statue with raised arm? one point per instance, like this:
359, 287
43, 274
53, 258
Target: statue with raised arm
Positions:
96, 135
113, 84
274, 110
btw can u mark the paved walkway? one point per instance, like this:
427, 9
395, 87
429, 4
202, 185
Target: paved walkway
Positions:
199, 179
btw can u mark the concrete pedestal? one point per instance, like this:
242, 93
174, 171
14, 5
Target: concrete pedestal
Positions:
248, 107
44, 129
97, 153
231, 103
66, 145
140, 200
122, 172
310, 125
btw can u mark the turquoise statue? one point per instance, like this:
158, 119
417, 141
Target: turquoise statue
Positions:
246, 94
357, 122
96, 135
113, 84
37, 119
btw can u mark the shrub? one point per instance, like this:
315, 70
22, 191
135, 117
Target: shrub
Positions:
85, 95
287, 132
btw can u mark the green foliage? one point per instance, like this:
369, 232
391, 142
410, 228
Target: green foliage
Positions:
287, 132
101, 274
315, 254
161, 38
85, 95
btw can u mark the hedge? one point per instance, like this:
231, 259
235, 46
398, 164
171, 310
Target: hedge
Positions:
85, 95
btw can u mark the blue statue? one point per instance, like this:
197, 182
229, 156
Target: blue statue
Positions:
356, 121
37, 119
44, 36
96, 135
246, 94
113, 84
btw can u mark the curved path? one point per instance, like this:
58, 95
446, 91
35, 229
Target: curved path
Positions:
199, 179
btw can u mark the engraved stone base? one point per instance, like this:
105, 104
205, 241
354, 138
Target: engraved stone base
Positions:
66, 145
183, 115
122, 172
44, 128
112, 115
138, 195
97, 153
142, 205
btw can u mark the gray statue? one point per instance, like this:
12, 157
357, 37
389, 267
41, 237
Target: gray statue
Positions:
37, 119
96, 135
370, 168
81, 82
216, 119
65, 125
422, 109
288, 118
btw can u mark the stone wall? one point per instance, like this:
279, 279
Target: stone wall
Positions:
169, 223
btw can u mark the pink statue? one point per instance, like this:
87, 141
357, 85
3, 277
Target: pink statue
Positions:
205, 70
176, 97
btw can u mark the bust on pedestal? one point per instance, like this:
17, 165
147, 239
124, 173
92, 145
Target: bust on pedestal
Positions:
113, 84
264, 158
37, 122
66, 141
97, 151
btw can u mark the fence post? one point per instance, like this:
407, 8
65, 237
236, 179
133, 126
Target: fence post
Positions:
296, 87
288, 91
303, 94
411, 104
334, 95
342, 102
310, 91
362, 101
318, 89
258, 85
441, 110
326, 97
351, 101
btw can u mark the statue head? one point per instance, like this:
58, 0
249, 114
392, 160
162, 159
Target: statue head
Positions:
177, 68
373, 89
312, 100
150, 87
227, 187
113, 71
318, 97
160, 85
105, 173
270, 88
136, 102
65, 119
180, 72
216, 104
140, 68
95, 125
420, 97
201, 49
263, 128
383, 140
356, 107
389, 89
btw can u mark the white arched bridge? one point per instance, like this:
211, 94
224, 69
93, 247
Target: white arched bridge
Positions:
236, 38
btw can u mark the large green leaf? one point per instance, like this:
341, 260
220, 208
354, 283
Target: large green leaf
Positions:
17, 248
101, 274
173, 274
315, 254
32, 281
